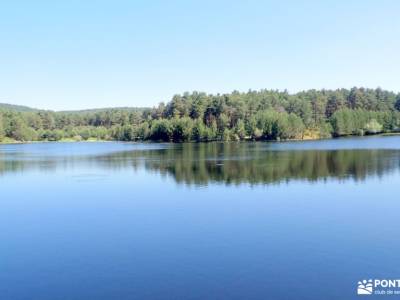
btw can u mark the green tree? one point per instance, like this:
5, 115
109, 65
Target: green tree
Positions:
373, 127
161, 130
2, 132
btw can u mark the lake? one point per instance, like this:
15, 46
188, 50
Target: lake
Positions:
289, 220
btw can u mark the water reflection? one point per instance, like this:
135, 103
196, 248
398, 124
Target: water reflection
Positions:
228, 163
234, 164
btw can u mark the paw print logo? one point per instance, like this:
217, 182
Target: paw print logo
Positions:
365, 287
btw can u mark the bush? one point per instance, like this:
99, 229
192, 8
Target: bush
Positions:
161, 130
373, 127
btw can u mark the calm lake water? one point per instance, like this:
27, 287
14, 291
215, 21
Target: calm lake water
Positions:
292, 220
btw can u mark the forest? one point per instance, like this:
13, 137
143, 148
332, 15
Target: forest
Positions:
201, 117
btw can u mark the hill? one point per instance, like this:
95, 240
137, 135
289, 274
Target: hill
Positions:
19, 108
97, 110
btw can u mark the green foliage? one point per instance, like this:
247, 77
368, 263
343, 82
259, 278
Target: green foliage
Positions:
325, 130
257, 115
397, 104
295, 128
348, 122
2, 132
143, 131
18, 130
161, 130
199, 131
52, 135
277, 125
240, 130
373, 127
182, 129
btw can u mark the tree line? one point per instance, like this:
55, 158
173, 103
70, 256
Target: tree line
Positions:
197, 116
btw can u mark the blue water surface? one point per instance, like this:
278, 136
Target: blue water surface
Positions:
298, 220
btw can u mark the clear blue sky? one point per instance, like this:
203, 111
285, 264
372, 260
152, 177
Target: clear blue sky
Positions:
82, 54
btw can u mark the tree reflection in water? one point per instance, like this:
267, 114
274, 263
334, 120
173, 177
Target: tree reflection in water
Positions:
228, 163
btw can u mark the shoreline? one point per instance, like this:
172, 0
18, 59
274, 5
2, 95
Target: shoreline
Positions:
9, 141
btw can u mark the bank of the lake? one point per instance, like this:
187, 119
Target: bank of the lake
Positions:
310, 136
200, 117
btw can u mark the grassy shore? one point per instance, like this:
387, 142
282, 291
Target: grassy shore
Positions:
307, 137
8, 140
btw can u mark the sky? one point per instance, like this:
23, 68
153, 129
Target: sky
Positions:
78, 54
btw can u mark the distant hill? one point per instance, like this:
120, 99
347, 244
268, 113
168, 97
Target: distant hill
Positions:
20, 108
96, 110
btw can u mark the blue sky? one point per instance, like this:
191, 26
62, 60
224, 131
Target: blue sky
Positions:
86, 54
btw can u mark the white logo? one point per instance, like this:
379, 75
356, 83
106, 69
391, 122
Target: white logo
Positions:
365, 287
